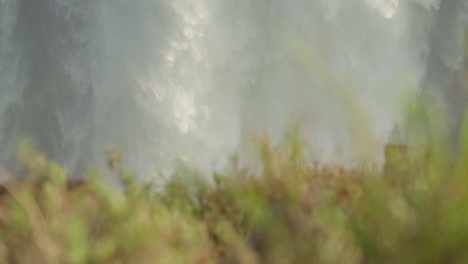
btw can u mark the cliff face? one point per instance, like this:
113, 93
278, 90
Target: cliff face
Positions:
440, 27
445, 63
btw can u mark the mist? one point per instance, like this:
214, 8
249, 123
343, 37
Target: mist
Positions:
196, 79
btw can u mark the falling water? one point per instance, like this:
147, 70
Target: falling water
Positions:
195, 79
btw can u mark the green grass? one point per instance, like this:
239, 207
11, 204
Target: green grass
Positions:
416, 211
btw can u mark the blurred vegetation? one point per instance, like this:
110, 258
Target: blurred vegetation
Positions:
294, 211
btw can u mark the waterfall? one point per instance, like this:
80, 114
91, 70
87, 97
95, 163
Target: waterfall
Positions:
194, 79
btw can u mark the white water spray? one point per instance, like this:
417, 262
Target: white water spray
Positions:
194, 78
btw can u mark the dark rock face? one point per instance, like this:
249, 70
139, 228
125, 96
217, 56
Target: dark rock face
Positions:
54, 77
71, 70
445, 62
444, 32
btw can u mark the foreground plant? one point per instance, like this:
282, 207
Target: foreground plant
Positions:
292, 211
